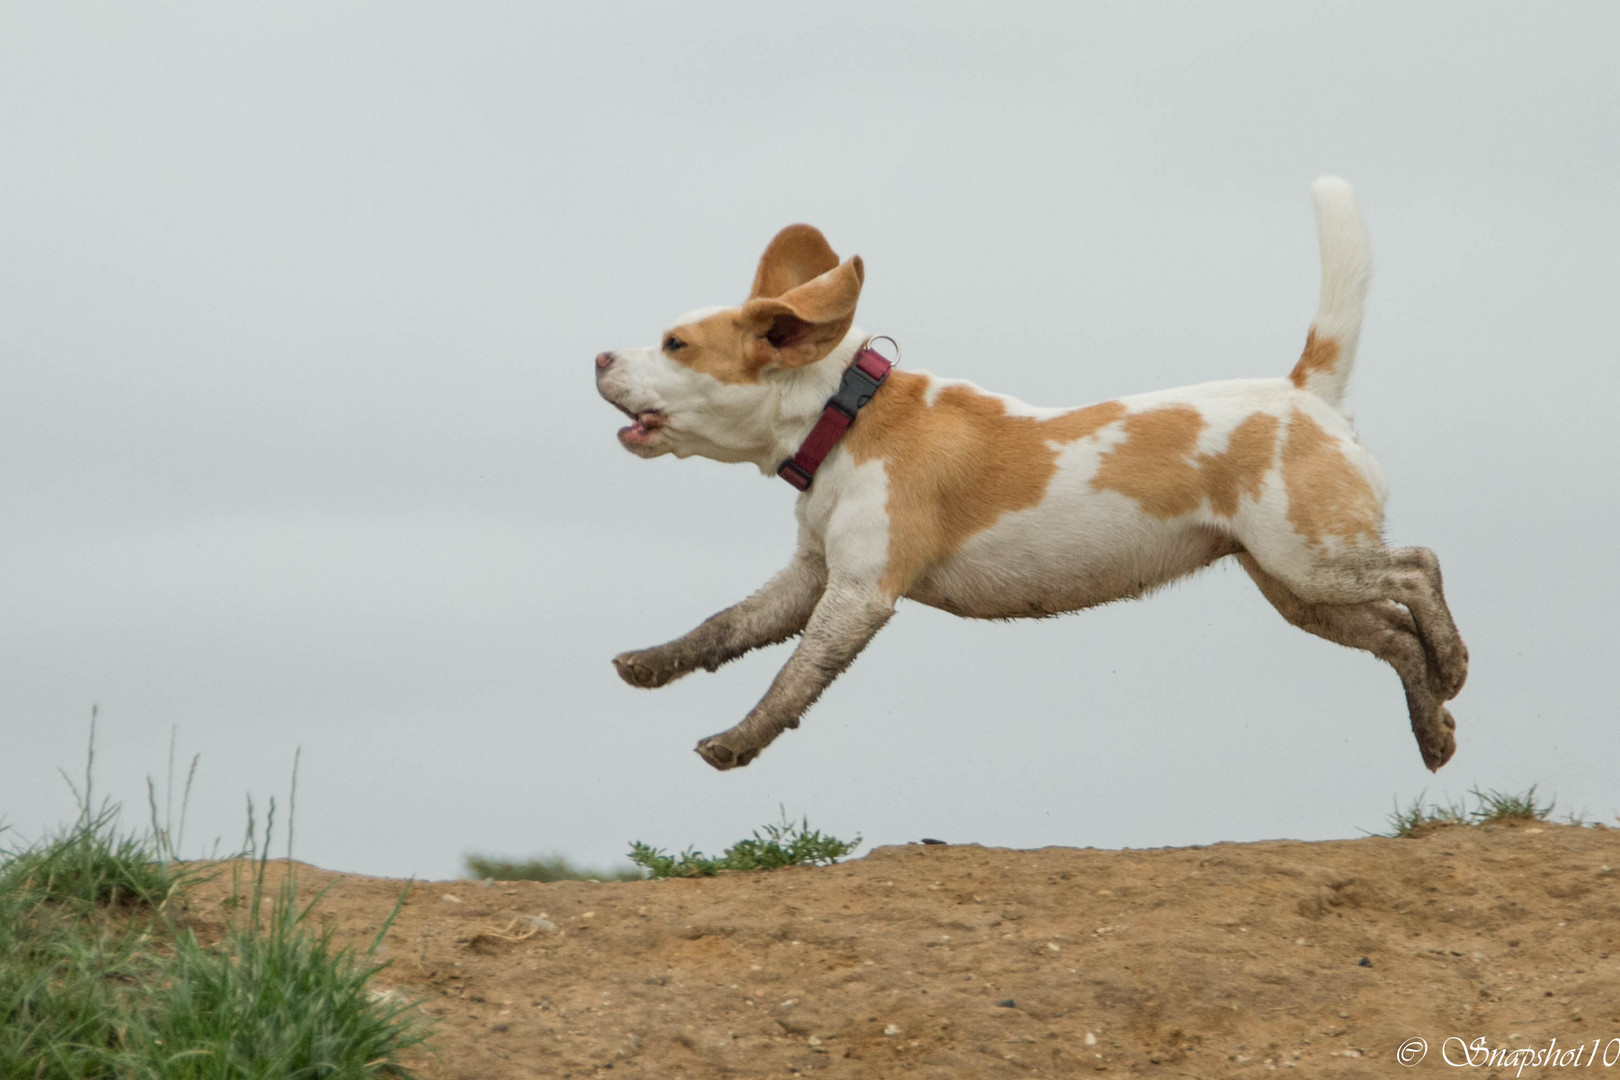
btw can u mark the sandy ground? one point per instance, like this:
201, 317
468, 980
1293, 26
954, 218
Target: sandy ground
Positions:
964, 962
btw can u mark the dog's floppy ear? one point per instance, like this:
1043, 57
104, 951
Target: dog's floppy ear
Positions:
794, 256
805, 323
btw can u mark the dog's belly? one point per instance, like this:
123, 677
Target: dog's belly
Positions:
1050, 560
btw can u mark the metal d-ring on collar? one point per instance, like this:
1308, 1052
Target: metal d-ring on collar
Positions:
871, 341
861, 381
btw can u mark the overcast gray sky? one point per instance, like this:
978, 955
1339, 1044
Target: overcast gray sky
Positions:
299, 443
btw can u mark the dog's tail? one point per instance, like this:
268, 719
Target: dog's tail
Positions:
1330, 347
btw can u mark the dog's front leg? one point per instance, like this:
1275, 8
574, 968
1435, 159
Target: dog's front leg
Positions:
775, 613
844, 621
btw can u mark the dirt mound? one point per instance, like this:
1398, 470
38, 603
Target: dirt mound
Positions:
964, 962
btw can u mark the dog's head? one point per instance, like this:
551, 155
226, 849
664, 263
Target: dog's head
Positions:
717, 381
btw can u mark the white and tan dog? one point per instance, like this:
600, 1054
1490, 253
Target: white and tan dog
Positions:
989, 508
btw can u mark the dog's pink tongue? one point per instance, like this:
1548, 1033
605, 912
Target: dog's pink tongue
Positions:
641, 432
635, 433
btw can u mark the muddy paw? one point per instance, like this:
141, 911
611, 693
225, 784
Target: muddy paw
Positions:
717, 753
643, 668
1437, 742
1456, 674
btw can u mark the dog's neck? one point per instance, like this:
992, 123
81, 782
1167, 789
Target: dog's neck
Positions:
800, 396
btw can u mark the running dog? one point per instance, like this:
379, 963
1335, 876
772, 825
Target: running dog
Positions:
975, 503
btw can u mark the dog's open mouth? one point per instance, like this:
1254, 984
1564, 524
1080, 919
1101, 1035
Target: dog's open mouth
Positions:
641, 431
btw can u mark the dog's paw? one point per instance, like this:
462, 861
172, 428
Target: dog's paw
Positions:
715, 751
1438, 741
645, 668
1455, 673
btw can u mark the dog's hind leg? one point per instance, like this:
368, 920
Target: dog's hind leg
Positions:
847, 617
1391, 633
1418, 572
1359, 574
775, 613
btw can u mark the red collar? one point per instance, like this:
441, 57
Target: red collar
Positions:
861, 381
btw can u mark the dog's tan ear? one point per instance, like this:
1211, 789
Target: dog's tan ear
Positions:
794, 256
803, 324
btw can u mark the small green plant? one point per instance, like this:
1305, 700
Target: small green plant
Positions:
1501, 806
100, 978
546, 868
276, 998
784, 844
92, 864
1417, 818
1492, 806
66, 973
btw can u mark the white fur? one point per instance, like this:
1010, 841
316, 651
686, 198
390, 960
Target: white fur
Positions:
1346, 271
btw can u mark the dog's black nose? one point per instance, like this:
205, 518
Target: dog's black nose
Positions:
603, 359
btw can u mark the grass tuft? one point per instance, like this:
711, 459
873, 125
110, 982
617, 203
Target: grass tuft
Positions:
65, 979
100, 979
1491, 807
1417, 819
93, 865
1497, 806
276, 998
784, 844
546, 868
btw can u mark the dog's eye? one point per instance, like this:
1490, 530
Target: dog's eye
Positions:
673, 344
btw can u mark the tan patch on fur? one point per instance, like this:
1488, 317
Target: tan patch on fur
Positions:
801, 305
1319, 355
716, 346
1241, 468
794, 256
807, 322
1157, 466
1327, 496
954, 467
